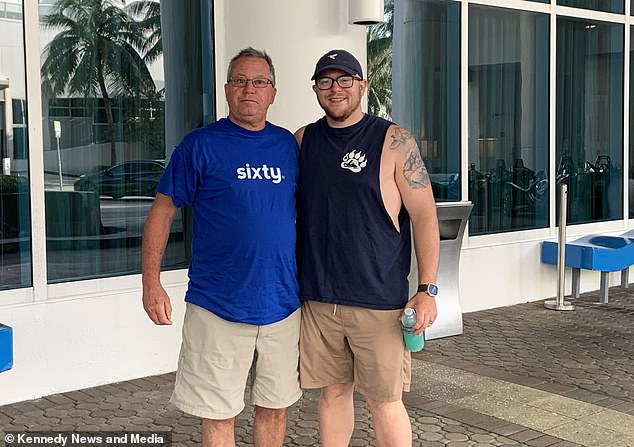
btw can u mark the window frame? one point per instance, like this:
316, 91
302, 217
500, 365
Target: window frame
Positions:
554, 11
41, 290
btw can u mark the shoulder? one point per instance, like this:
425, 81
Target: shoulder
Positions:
399, 139
299, 134
188, 142
198, 142
278, 133
376, 122
276, 130
202, 133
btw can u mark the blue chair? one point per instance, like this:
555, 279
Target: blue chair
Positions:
595, 252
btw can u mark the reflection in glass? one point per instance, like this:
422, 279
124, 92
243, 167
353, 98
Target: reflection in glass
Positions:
590, 117
104, 143
508, 119
617, 6
15, 227
631, 171
426, 86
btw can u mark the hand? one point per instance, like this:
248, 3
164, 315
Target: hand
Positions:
157, 304
426, 312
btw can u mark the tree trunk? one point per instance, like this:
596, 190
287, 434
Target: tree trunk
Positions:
109, 117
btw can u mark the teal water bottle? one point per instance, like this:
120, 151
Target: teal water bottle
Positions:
412, 341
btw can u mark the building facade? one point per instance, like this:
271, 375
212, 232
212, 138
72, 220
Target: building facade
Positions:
507, 98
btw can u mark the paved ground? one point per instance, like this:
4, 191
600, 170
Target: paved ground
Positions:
518, 376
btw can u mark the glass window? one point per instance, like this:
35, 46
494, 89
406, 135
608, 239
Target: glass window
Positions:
617, 6
104, 139
19, 111
13, 10
427, 87
631, 171
20, 142
3, 134
590, 117
15, 228
508, 119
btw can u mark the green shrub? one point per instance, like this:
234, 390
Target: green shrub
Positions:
13, 184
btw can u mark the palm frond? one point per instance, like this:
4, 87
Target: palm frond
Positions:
147, 13
98, 50
380, 64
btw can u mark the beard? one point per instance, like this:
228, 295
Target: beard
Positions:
340, 115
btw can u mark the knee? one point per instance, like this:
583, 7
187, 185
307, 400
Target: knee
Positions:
271, 414
378, 407
337, 392
217, 425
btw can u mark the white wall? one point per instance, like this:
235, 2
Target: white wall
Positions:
80, 341
82, 334
295, 34
12, 56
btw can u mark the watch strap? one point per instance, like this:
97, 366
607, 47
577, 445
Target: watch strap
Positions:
429, 288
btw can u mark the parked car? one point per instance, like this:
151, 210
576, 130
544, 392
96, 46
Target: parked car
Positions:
132, 178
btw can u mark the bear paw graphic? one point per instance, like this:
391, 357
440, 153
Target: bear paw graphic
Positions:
354, 161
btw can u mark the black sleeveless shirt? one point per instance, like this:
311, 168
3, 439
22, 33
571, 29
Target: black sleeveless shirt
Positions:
349, 249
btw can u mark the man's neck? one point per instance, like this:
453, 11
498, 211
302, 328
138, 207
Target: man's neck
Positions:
350, 121
248, 125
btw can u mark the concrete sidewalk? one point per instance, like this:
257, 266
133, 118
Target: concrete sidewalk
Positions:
519, 376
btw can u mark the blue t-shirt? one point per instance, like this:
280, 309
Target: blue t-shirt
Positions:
242, 187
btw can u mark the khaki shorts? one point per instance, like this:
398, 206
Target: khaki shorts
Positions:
344, 344
217, 355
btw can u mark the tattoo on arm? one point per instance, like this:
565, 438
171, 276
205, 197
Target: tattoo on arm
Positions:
414, 169
399, 138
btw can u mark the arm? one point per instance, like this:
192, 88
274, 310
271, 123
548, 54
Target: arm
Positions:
299, 134
414, 186
156, 302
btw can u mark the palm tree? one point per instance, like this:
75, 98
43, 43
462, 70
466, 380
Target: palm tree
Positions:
148, 15
95, 52
380, 64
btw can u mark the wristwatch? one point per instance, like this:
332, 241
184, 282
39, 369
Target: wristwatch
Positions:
430, 289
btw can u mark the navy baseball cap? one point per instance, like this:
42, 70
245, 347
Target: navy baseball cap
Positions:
341, 60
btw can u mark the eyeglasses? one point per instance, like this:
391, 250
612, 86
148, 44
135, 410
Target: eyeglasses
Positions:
241, 82
344, 81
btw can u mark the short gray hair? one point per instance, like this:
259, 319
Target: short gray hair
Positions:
252, 52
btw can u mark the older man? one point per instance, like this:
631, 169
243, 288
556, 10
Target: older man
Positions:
240, 176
